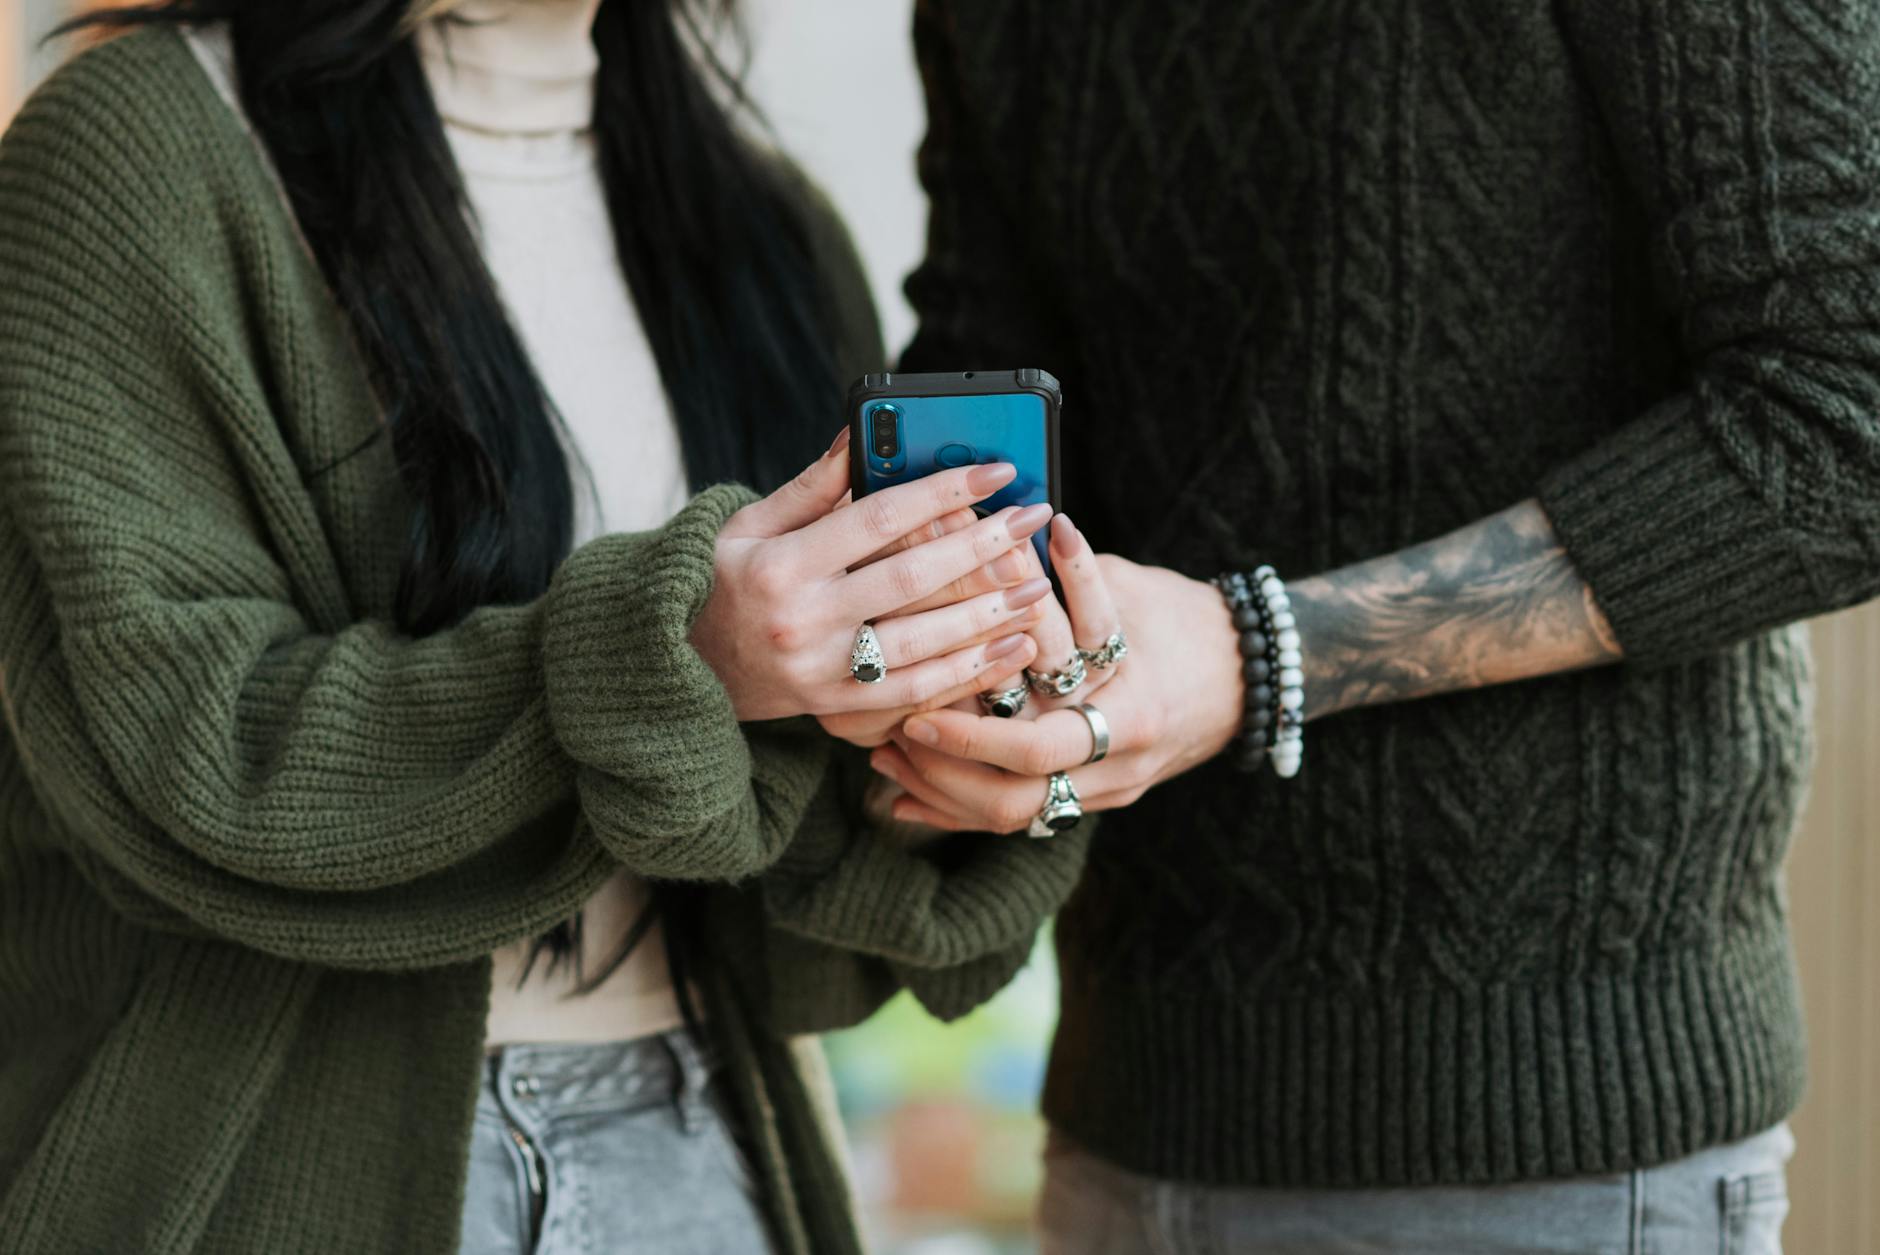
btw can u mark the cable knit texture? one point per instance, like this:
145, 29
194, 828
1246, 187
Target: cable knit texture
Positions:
255, 846
1327, 279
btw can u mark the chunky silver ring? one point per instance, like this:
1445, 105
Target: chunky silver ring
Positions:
1099, 732
1004, 703
1059, 683
865, 661
1108, 654
1061, 808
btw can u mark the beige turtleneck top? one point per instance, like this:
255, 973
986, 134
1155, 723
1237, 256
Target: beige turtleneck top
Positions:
514, 82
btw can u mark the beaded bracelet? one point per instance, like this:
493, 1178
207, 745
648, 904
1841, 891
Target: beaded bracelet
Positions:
1273, 727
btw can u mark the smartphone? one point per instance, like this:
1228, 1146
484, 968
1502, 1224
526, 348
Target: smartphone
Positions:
904, 427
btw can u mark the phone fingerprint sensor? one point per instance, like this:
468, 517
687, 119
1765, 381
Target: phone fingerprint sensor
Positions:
950, 455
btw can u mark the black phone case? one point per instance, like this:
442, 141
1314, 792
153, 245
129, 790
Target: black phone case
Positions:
958, 384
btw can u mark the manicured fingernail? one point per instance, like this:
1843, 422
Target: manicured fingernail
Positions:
1006, 567
1026, 594
985, 480
921, 730
841, 441
1005, 646
1063, 534
1028, 520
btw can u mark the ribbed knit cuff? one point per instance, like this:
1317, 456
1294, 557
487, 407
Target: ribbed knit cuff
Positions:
876, 898
661, 753
1680, 553
951, 992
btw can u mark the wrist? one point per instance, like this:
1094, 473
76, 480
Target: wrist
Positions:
1223, 698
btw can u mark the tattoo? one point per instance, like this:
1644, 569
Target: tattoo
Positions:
1496, 601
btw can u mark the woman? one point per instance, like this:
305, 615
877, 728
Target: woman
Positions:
364, 663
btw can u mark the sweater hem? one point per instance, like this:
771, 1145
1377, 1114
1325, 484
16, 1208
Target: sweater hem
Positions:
1434, 1086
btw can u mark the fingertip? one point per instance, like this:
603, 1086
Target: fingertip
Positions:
840, 443
983, 481
1066, 540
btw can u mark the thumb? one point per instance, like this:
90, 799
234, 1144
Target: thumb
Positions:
812, 493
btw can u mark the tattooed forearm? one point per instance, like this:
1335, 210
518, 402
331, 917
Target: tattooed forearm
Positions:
1497, 601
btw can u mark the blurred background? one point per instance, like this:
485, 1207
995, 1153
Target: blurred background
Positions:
945, 1135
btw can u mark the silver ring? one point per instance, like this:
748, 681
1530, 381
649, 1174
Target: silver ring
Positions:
1108, 654
1060, 683
1004, 703
1061, 808
1099, 732
865, 661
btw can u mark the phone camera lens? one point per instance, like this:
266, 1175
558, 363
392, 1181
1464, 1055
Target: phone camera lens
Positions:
887, 435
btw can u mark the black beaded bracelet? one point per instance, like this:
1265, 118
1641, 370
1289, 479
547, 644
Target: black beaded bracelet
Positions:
1272, 725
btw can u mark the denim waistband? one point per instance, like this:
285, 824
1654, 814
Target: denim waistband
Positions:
536, 1082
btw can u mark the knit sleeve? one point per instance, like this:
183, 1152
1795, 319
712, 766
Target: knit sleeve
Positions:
854, 913
977, 291
219, 740
1747, 134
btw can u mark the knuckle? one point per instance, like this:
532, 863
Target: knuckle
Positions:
769, 581
881, 518
1008, 813
1147, 727
1039, 758
796, 673
968, 663
803, 483
909, 578
910, 644
782, 633
957, 590
925, 688
989, 541
974, 745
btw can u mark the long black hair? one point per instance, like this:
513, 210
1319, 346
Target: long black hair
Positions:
714, 247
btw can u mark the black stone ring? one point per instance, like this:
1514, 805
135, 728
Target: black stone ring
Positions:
1004, 703
866, 663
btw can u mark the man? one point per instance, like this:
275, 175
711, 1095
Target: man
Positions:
1535, 346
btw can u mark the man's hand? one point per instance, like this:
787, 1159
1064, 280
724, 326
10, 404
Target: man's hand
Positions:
1173, 703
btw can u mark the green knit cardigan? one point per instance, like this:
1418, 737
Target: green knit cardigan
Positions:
255, 846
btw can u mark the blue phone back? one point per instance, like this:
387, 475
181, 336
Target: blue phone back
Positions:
941, 432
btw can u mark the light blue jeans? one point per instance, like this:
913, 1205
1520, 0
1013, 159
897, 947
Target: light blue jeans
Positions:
1729, 1200
623, 1147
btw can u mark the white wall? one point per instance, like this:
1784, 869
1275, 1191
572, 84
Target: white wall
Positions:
36, 17
836, 78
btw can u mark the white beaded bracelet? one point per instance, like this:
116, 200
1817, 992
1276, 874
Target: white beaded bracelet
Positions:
1288, 750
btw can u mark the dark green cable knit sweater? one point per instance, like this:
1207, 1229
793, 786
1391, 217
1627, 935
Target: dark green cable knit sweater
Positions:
1326, 279
255, 847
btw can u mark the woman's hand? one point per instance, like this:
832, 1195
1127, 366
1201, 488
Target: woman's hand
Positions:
1034, 612
785, 606
1172, 704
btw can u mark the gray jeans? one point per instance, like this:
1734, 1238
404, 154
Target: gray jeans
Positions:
1729, 1200
623, 1147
